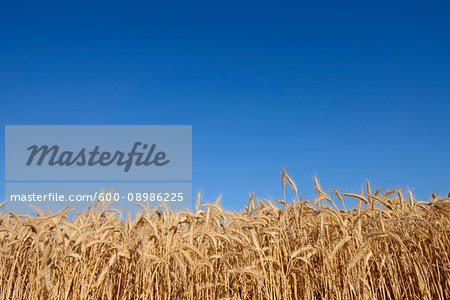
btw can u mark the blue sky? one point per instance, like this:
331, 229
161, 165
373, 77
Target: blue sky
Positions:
348, 91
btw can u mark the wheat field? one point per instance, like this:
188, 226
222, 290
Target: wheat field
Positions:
391, 246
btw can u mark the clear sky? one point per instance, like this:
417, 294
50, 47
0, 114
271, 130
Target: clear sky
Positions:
346, 90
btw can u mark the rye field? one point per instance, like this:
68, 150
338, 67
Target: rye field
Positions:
390, 246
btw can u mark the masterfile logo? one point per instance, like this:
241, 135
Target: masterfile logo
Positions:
54, 166
98, 152
91, 158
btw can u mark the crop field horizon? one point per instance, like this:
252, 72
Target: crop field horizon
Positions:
390, 246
